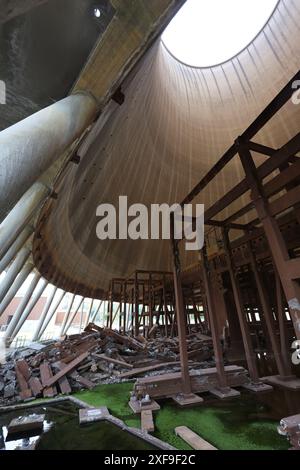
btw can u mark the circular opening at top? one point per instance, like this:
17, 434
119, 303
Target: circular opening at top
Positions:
97, 12
205, 33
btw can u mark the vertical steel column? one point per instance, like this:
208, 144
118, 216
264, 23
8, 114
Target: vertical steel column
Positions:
213, 323
136, 305
276, 242
250, 357
180, 314
283, 371
284, 344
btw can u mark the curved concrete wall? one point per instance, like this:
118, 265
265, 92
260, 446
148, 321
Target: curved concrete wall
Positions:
175, 123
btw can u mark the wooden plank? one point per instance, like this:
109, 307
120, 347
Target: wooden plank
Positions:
24, 369
102, 357
82, 380
25, 391
147, 422
63, 383
46, 374
192, 439
52, 380
142, 370
36, 386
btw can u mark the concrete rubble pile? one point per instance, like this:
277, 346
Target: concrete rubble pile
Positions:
290, 428
97, 356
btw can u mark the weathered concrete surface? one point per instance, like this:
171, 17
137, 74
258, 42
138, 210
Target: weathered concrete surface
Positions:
30, 147
175, 123
11, 8
43, 51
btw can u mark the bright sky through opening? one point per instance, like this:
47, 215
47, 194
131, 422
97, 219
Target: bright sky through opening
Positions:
208, 32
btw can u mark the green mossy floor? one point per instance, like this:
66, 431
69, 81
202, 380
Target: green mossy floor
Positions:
241, 424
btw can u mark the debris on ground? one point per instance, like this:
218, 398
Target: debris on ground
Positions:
98, 355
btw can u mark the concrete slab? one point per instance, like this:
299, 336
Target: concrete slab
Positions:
224, 393
260, 387
147, 423
290, 383
192, 439
187, 399
22, 424
137, 408
93, 414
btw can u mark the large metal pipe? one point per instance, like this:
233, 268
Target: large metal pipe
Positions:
30, 306
44, 313
21, 214
16, 247
52, 312
13, 271
30, 147
19, 281
21, 307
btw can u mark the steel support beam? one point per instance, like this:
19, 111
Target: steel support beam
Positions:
180, 315
275, 239
250, 356
213, 322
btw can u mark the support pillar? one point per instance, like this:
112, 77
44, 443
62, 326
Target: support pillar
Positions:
223, 391
16, 247
44, 314
97, 311
22, 306
21, 215
180, 315
13, 271
89, 313
282, 369
73, 316
31, 146
67, 314
54, 305
256, 385
21, 278
27, 311
275, 239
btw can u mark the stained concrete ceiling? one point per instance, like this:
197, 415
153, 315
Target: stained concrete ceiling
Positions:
44, 45
174, 125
